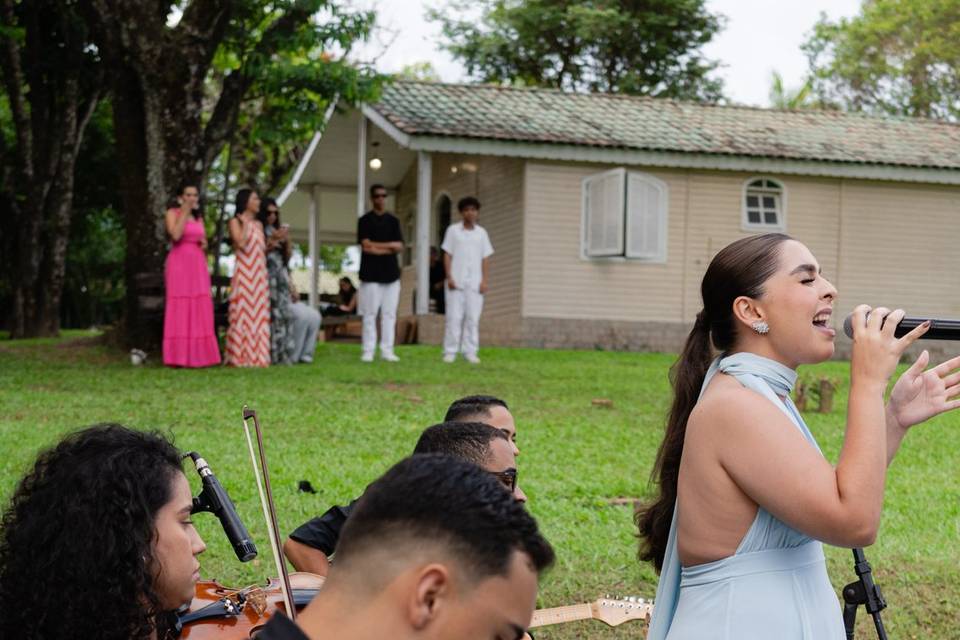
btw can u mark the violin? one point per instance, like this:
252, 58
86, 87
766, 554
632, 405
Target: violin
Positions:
237, 614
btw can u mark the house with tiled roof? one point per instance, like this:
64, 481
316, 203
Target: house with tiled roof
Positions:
604, 211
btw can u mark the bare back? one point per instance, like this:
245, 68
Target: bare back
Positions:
714, 513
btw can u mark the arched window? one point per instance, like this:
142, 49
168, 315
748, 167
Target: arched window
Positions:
764, 201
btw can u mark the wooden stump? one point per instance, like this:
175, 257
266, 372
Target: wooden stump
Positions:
826, 395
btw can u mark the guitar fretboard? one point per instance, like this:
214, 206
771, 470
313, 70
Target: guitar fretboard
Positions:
557, 615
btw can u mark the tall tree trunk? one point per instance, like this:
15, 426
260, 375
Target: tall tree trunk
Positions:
141, 183
158, 79
43, 79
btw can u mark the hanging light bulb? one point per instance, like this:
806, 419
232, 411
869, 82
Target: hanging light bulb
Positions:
375, 162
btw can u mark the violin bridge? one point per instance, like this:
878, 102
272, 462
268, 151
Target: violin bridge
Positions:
256, 598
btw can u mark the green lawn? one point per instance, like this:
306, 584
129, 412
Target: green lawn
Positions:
339, 423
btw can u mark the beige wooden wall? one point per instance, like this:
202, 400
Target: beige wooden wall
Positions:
498, 184
879, 242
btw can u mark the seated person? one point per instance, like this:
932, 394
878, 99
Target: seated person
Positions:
346, 304
311, 543
97, 541
487, 409
305, 323
435, 550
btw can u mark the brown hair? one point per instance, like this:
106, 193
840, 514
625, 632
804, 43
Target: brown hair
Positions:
739, 269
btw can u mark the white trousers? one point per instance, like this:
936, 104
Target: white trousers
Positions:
374, 297
463, 321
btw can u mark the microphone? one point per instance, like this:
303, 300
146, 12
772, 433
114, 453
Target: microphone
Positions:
214, 498
939, 329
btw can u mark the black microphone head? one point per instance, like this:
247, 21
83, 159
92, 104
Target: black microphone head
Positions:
848, 326
245, 550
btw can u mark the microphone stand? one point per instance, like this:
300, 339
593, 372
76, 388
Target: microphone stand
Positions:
863, 592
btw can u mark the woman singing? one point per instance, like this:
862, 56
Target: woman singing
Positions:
97, 541
746, 497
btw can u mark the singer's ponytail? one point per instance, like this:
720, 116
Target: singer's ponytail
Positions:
739, 269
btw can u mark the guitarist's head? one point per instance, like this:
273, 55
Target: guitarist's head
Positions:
436, 548
488, 410
478, 443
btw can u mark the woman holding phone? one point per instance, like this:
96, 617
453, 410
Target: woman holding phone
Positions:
278, 254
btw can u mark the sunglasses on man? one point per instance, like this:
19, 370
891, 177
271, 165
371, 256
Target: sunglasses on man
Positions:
507, 478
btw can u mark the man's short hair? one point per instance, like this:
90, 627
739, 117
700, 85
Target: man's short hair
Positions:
434, 501
471, 407
469, 201
465, 440
374, 187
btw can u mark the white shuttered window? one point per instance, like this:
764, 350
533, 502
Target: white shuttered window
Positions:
646, 217
603, 213
625, 215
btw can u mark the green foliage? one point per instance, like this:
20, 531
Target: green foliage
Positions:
897, 57
339, 423
94, 287
422, 71
332, 257
94, 279
292, 86
781, 97
616, 46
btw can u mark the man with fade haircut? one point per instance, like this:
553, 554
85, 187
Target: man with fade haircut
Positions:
487, 409
435, 550
309, 546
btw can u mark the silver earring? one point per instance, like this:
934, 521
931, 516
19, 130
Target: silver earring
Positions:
761, 327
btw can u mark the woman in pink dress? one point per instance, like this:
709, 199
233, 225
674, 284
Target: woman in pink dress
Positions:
189, 339
248, 337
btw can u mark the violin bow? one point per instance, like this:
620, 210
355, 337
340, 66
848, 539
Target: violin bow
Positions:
269, 512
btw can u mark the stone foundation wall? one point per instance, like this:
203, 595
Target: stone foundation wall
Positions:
614, 335
495, 331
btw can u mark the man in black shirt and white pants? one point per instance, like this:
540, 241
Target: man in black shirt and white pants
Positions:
380, 239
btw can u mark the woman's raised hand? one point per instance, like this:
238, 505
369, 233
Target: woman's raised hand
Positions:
876, 351
920, 395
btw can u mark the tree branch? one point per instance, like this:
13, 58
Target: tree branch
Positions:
236, 84
200, 30
88, 112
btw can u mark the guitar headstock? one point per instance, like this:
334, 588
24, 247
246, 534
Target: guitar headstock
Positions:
616, 611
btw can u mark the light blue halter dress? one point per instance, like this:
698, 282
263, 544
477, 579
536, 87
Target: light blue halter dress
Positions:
775, 586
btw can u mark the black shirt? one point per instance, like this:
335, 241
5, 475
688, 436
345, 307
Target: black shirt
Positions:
322, 533
280, 627
379, 228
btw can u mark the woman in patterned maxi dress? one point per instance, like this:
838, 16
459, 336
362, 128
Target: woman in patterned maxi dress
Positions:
282, 344
248, 336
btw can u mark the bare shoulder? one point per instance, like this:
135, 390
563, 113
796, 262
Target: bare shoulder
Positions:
730, 408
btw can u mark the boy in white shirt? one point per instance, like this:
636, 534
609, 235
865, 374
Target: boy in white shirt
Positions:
467, 251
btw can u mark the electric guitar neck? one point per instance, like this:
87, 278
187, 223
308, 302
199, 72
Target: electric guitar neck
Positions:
612, 611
